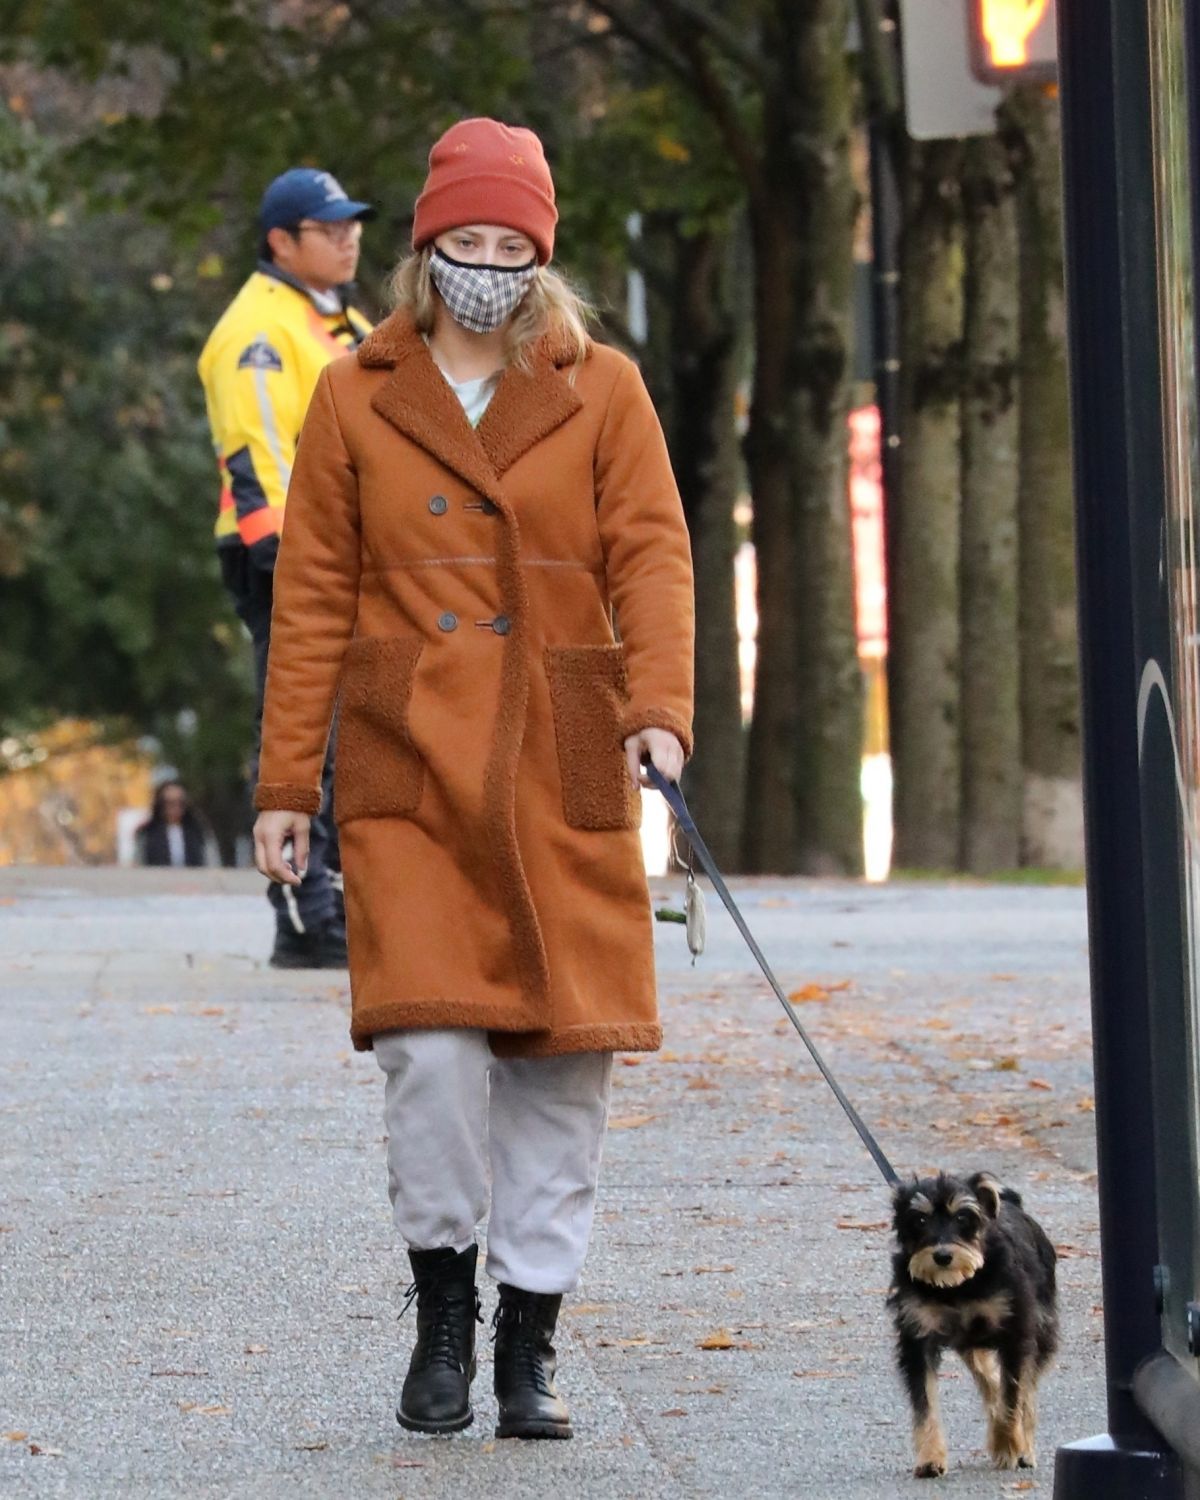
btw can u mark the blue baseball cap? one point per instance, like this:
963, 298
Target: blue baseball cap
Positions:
305, 193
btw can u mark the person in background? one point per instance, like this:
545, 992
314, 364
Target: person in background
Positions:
259, 368
173, 834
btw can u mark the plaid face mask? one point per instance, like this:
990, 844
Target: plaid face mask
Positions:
480, 297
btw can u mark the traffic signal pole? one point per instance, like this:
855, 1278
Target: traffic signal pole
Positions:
1116, 421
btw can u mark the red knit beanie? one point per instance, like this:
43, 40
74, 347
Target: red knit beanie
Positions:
483, 172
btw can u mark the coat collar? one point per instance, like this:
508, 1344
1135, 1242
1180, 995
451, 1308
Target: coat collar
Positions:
528, 404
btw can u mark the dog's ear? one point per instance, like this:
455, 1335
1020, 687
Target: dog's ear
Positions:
988, 1191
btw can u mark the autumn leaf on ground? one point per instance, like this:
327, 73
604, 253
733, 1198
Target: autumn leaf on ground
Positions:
158, 1010
813, 992
205, 1411
722, 1339
675, 1411
14, 1437
256, 1348
862, 1224
630, 1122
1007, 1064
1086, 1105
702, 1083
39, 1452
311, 1447
1041, 1083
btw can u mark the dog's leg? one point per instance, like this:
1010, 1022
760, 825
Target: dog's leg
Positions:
1007, 1443
985, 1370
918, 1359
1028, 1413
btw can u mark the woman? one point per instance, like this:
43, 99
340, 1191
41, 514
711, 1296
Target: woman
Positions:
475, 493
173, 834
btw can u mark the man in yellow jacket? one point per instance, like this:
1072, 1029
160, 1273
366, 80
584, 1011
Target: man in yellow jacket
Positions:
259, 368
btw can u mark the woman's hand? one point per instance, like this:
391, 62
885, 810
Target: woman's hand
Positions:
271, 831
663, 749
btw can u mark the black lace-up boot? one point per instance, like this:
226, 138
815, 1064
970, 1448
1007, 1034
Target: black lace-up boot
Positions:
437, 1390
530, 1407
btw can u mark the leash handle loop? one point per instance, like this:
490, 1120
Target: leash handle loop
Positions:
675, 801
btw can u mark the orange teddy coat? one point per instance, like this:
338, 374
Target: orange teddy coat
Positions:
453, 590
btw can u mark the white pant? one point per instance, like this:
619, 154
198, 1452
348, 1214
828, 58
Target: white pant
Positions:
542, 1130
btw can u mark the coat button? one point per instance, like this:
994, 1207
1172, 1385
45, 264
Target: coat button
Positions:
489, 508
439, 505
501, 624
448, 621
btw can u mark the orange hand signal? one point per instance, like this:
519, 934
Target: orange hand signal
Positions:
1006, 25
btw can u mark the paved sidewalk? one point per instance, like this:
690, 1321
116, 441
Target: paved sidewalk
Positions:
200, 1282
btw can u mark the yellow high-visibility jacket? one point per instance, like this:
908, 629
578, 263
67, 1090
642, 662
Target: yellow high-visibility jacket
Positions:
259, 368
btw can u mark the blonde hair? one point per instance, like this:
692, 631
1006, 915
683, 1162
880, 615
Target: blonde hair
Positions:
551, 306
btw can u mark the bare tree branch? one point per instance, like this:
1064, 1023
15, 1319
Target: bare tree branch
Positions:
644, 40
722, 35
695, 69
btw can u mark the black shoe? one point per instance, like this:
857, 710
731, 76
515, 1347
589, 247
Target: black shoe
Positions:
323, 949
525, 1363
437, 1390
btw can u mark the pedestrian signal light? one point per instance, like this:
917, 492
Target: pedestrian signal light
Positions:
1012, 40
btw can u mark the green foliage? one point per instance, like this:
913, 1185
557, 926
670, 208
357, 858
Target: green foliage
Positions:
110, 603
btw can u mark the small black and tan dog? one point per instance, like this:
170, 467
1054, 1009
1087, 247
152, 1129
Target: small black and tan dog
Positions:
973, 1273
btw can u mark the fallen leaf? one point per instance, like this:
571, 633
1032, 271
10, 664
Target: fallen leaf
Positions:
862, 1223
630, 1122
702, 1083
675, 1411
631, 1062
205, 1411
158, 1010
39, 1452
14, 1437
256, 1348
1007, 1064
1004, 978
213, 1010
407, 1463
808, 993
639, 1342
1086, 1105
1041, 1083
311, 1447
722, 1339
491, 1447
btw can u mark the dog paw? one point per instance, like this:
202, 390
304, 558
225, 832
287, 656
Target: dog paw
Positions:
933, 1470
1027, 1461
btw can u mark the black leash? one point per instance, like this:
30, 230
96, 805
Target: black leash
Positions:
679, 807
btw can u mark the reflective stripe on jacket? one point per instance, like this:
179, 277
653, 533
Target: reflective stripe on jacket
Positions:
259, 368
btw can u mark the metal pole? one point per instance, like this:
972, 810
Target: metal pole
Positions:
1130, 1461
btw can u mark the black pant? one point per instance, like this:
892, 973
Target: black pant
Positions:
305, 907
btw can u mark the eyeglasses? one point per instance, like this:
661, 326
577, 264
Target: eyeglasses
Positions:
340, 232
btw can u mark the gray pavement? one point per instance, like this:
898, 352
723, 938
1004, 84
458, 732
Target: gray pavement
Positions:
198, 1272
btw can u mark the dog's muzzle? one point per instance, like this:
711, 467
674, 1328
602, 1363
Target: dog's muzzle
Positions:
945, 1265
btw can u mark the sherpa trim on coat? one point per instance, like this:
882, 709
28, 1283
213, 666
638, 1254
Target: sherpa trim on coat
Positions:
456, 586
281, 797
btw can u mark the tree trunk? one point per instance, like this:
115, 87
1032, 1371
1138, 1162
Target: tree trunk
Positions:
707, 351
804, 805
924, 540
1050, 716
990, 663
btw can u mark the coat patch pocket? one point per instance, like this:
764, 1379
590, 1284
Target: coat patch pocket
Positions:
377, 771
588, 692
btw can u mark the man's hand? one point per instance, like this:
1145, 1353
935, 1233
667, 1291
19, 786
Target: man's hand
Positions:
271, 831
663, 749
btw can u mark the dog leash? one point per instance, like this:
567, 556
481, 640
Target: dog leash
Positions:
675, 801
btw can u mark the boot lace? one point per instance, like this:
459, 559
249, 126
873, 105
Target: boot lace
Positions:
438, 1343
521, 1335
